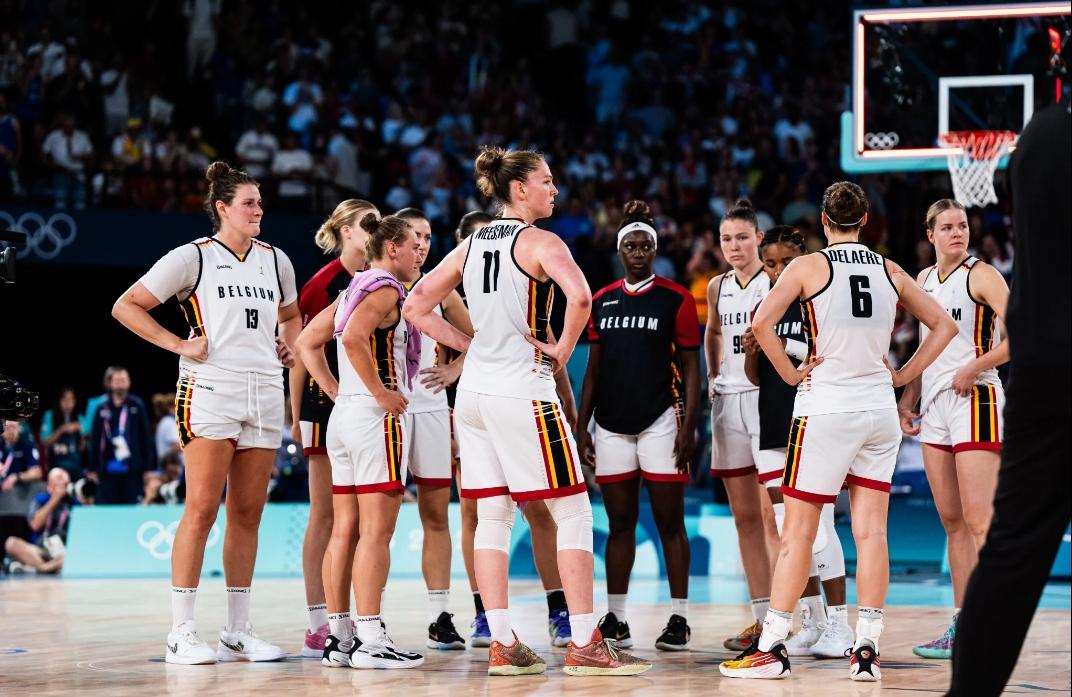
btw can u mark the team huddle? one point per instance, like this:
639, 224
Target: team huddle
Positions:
454, 375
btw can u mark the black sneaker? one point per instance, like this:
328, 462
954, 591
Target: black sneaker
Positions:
616, 631
442, 634
337, 654
676, 636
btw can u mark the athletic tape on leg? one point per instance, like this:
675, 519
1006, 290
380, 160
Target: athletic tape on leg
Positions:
573, 516
494, 522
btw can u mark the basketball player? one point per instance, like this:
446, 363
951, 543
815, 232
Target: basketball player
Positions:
366, 438
733, 297
515, 440
962, 400
236, 293
845, 425
428, 453
643, 387
311, 407
542, 529
825, 632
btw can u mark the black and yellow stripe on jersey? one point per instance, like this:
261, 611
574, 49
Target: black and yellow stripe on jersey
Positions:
541, 296
984, 329
558, 460
382, 343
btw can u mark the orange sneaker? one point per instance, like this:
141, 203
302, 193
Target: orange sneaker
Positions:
745, 638
516, 659
602, 657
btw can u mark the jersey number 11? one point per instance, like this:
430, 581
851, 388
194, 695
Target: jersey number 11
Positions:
491, 275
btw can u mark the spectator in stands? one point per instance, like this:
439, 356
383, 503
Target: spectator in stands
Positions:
165, 485
166, 428
131, 147
256, 149
293, 165
200, 32
197, 153
302, 99
997, 255
69, 152
400, 196
62, 435
49, 50
11, 62
71, 89
49, 516
115, 98
120, 443
801, 211
573, 223
342, 159
10, 149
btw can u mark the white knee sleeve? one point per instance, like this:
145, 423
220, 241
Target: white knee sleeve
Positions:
494, 521
829, 558
779, 516
573, 516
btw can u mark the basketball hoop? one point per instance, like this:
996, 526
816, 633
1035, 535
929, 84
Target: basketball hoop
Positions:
972, 168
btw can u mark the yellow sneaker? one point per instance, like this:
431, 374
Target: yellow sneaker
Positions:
753, 663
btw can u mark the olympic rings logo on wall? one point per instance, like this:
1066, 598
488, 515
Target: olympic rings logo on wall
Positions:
45, 239
158, 538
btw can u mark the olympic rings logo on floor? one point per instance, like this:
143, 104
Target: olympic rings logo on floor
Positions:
158, 538
45, 239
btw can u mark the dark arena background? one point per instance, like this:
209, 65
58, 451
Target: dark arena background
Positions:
110, 114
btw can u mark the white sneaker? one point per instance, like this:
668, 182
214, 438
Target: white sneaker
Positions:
800, 643
186, 648
383, 654
246, 646
836, 642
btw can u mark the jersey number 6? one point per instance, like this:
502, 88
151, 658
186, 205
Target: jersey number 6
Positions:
861, 300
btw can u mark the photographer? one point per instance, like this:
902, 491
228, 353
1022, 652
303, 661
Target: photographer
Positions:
20, 469
165, 485
49, 516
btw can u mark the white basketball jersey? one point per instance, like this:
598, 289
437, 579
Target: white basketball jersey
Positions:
977, 331
388, 352
421, 399
735, 304
235, 303
848, 323
506, 305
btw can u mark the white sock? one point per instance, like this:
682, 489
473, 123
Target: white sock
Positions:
383, 597
318, 617
581, 628
838, 614
182, 608
759, 608
368, 628
616, 604
237, 609
776, 627
679, 606
499, 624
811, 609
437, 603
340, 625
869, 626
956, 614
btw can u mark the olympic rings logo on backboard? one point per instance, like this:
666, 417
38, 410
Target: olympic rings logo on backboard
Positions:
882, 141
44, 238
158, 538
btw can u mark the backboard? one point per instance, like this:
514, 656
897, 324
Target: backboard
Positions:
924, 71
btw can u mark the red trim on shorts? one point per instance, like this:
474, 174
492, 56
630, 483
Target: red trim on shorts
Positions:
767, 476
868, 483
343, 489
654, 477
381, 487
314, 451
233, 442
963, 447
807, 495
738, 472
940, 446
540, 494
620, 477
484, 493
430, 481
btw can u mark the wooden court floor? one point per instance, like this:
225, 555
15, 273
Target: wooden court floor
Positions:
107, 638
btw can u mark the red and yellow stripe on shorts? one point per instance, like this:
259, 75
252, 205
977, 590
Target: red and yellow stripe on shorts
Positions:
793, 451
984, 416
183, 408
558, 461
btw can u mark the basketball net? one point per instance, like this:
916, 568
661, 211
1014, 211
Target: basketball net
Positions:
972, 167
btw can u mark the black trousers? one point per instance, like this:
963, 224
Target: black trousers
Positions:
1031, 514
